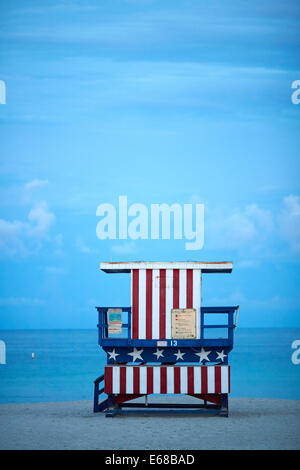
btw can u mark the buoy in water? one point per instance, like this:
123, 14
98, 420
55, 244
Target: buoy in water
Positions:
32, 355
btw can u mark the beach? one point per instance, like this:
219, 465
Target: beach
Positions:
254, 423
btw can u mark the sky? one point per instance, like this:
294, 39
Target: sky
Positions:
186, 102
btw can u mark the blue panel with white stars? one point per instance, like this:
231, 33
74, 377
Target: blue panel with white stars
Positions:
167, 355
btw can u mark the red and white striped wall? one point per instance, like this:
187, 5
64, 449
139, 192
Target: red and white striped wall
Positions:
155, 292
166, 379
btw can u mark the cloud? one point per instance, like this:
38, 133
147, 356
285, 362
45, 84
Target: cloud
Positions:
276, 302
235, 298
20, 301
41, 219
25, 237
247, 264
157, 26
36, 183
59, 241
243, 228
254, 230
289, 221
262, 218
31, 189
269, 187
83, 248
124, 248
11, 237
54, 270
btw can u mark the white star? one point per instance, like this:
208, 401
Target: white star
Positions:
113, 355
159, 353
136, 354
179, 355
221, 355
203, 355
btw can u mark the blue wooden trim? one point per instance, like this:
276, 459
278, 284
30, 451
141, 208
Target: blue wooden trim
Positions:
203, 309
129, 324
104, 309
218, 309
180, 343
99, 379
98, 407
216, 326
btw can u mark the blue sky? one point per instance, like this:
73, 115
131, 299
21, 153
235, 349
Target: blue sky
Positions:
165, 102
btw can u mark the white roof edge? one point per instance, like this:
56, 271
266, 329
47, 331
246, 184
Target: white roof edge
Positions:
126, 267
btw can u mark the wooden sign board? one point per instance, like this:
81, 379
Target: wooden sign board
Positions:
114, 321
183, 323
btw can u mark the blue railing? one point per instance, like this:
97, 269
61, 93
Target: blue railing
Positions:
103, 323
229, 326
126, 340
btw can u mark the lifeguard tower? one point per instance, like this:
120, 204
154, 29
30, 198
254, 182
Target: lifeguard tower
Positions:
166, 342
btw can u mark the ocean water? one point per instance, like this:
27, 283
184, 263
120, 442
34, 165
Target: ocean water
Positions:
67, 362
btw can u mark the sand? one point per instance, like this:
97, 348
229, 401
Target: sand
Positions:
252, 424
